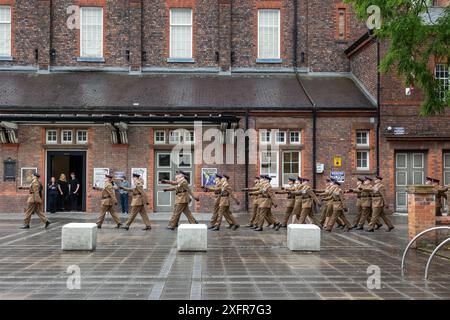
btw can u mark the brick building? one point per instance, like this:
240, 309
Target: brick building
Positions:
90, 85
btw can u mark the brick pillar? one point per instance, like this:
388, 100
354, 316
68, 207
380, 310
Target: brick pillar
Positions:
135, 35
44, 43
225, 35
421, 211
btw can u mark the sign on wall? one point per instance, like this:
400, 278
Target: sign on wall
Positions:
26, 175
338, 176
337, 161
99, 177
142, 172
208, 175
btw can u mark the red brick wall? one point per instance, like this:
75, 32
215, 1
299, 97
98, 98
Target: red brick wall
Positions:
363, 65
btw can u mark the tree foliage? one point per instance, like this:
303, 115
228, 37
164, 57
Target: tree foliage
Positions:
415, 38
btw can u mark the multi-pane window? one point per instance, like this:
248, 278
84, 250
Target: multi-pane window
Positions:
91, 32
341, 24
280, 137
362, 160
362, 138
265, 136
189, 137
5, 31
51, 136
268, 34
82, 136
441, 73
160, 137
291, 165
66, 136
174, 137
294, 137
269, 165
181, 33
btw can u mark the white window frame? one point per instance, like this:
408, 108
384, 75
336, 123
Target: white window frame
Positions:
7, 50
442, 79
260, 40
274, 175
262, 133
368, 160
82, 141
158, 166
82, 53
277, 135
367, 144
171, 135
47, 141
299, 137
164, 134
66, 141
173, 26
188, 135
282, 164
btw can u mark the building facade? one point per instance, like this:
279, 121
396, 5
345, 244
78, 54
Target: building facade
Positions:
95, 86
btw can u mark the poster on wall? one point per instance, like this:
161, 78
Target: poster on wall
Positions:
208, 175
26, 175
339, 176
99, 177
142, 172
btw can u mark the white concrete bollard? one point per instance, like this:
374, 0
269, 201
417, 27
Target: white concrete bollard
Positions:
192, 237
303, 237
79, 236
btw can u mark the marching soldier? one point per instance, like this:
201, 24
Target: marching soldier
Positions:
255, 204
265, 205
138, 202
359, 209
182, 198
290, 201
339, 207
297, 210
217, 190
34, 202
309, 199
108, 202
379, 202
365, 193
327, 207
224, 204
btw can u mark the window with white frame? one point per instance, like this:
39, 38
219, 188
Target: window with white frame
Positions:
160, 137
189, 136
269, 165
66, 136
265, 136
82, 136
174, 136
291, 165
268, 34
51, 137
362, 160
280, 137
441, 73
294, 137
5, 31
181, 33
362, 138
91, 32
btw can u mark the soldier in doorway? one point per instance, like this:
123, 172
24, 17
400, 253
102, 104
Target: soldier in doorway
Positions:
265, 205
183, 193
107, 203
379, 203
138, 202
309, 199
289, 202
226, 192
339, 207
34, 202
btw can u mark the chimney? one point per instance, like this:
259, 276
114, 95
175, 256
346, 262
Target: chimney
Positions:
225, 35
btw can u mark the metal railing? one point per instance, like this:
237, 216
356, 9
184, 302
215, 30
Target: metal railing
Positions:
432, 254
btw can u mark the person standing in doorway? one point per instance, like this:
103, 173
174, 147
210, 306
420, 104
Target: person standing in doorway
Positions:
53, 192
63, 190
74, 188
124, 186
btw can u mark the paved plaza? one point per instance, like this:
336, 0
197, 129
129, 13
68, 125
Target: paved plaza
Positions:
240, 264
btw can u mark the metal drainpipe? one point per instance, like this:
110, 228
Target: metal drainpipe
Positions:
246, 159
378, 107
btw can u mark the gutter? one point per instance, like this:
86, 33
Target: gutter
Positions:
377, 136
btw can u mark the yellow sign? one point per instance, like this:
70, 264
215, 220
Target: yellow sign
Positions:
337, 161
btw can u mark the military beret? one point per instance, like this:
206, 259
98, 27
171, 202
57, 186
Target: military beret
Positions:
379, 177
328, 180
257, 178
268, 178
292, 179
137, 175
360, 179
218, 176
108, 176
337, 182
37, 175
367, 178
305, 179
428, 178
226, 177
436, 180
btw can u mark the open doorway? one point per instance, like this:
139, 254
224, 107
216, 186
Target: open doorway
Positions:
66, 162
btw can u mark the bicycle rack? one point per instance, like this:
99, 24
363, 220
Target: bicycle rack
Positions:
434, 252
